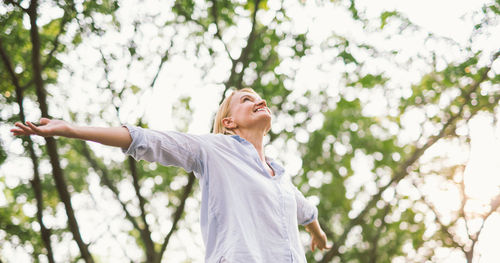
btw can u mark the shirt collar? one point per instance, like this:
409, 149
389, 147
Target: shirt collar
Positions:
238, 138
278, 169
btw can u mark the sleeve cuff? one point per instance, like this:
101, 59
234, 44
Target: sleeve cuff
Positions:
133, 131
313, 217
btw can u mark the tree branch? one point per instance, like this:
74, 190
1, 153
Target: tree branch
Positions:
113, 92
475, 238
189, 18
444, 228
15, 3
178, 213
108, 183
149, 245
376, 238
10, 69
218, 34
164, 58
462, 205
55, 43
145, 230
243, 59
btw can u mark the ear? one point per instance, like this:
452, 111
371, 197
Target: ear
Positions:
229, 123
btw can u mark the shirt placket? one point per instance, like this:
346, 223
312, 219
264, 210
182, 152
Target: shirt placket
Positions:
276, 182
257, 159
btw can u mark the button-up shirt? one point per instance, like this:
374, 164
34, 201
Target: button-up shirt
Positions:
247, 215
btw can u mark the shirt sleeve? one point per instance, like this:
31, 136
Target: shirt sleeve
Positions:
168, 148
306, 212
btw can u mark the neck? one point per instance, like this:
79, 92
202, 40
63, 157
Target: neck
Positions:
256, 138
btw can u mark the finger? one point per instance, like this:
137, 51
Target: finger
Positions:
44, 121
17, 133
323, 246
25, 129
319, 246
328, 246
33, 127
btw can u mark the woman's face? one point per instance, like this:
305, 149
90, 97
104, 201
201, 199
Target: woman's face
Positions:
249, 111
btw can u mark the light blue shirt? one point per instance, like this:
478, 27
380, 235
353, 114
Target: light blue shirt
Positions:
247, 215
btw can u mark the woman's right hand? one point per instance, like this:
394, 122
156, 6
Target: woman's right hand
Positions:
47, 128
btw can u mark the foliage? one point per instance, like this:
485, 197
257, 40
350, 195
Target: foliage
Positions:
366, 167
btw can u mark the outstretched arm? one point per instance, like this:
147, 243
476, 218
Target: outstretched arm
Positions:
113, 136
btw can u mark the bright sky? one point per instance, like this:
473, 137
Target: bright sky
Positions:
441, 17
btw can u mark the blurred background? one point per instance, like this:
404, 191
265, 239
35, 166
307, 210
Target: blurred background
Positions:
385, 114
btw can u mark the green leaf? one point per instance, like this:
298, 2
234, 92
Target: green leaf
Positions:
385, 16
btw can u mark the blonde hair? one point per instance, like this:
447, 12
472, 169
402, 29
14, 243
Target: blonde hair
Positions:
224, 110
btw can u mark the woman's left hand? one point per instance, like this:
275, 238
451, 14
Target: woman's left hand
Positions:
318, 236
318, 240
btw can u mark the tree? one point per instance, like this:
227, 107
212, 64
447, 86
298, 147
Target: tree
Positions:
52, 32
110, 56
88, 20
381, 216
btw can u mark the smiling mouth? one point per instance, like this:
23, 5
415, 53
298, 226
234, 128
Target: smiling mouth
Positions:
260, 109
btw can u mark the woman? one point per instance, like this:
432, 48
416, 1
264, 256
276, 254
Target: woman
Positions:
250, 210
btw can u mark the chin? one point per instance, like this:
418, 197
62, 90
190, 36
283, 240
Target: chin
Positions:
267, 119
263, 122
267, 131
268, 126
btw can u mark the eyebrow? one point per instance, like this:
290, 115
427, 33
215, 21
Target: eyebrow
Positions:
247, 95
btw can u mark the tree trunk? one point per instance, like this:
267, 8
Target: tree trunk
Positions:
469, 255
35, 182
57, 172
145, 233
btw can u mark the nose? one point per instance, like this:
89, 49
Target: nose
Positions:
262, 102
